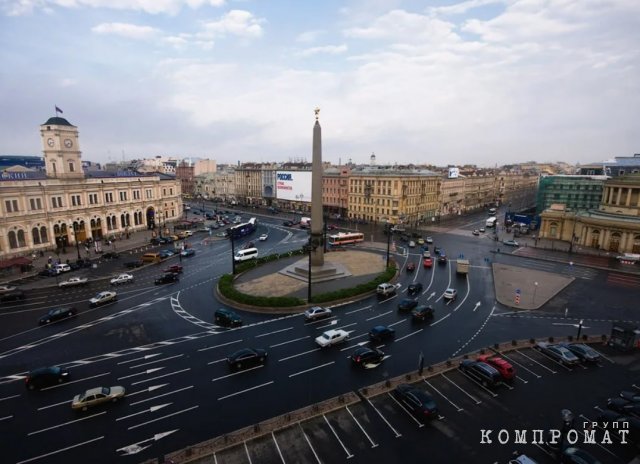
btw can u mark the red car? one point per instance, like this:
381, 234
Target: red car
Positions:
427, 262
176, 269
505, 368
411, 267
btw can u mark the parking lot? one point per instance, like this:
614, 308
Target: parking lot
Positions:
380, 428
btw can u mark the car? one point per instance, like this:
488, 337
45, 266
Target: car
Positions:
48, 273
482, 372
422, 313
407, 304
367, 357
481, 229
97, 396
574, 455
450, 294
437, 250
442, 259
512, 243
427, 262
623, 406
164, 254
167, 278
412, 244
411, 267
582, 351
44, 377
420, 241
414, 288
287, 223
263, 237
316, 312
248, 245
505, 368
110, 255
123, 278
56, 314
522, 459
227, 318
332, 337
428, 240
175, 269
73, 282
246, 357
381, 332
188, 253
425, 252
134, 264
385, 290
103, 298
419, 403
558, 353
188, 233
6, 288
476, 232
630, 396
14, 295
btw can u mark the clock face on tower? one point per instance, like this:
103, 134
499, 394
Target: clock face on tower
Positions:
68, 143
50, 142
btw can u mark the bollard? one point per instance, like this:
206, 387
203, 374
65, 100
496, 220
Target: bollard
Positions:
256, 428
341, 399
465, 356
430, 368
482, 351
550, 339
532, 341
514, 342
407, 376
449, 363
570, 338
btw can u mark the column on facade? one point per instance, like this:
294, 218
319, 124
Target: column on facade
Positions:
619, 196
628, 200
604, 237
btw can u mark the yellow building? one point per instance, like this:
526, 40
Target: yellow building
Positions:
52, 209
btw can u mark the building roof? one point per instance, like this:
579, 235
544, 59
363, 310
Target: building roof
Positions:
58, 121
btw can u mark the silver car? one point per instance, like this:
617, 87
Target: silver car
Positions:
316, 312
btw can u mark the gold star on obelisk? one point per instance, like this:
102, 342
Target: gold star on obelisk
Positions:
317, 111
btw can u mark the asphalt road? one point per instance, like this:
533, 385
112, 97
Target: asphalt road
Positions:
160, 343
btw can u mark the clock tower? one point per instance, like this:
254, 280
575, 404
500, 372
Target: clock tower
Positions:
61, 149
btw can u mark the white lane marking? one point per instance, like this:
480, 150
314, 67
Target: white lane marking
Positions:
148, 371
439, 320
398, 322
143, 358
237, 373
379, 315
373, 444
161, 376
309, 443
160, 396
56, 404
274, 332
9, 397
245, 390
156, 361
509, 358
357, 310
290, 341
420, 424
246, 449
299, 354
216, 361
151, 409
477, 401
398, 435
539, 364
312, 369
60, 450
75, 381
163, 417
278, 448
147, 390
349, 455
6, 417
442, 395
66, 423
218, 346
408, 335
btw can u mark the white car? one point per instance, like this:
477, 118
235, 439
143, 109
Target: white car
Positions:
6, 288
450, 294
73, 281
103, 298
331, 337
188, 233
428, 240
121, 279
263, 237
316, 312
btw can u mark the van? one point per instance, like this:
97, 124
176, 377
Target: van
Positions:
62, 267
151, 257
244, 255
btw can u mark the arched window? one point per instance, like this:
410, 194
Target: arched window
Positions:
13, 242
44, 237
35, 234
123, 220
21, 240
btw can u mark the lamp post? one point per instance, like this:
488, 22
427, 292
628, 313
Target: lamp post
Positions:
388, 241
160, 222
75, 235
233, 251
535, 288
579, 329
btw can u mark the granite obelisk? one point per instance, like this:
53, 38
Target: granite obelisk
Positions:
317, 255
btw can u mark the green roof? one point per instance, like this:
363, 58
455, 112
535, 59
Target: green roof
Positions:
57, 121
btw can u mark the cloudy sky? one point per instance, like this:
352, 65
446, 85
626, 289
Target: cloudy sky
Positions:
434, 81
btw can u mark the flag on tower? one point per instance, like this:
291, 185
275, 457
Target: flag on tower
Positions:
58, 110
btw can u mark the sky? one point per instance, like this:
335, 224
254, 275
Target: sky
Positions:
441, 82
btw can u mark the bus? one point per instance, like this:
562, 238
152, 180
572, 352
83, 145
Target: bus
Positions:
492, 221
343, 238
243, 229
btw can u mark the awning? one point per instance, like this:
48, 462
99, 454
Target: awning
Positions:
14, 262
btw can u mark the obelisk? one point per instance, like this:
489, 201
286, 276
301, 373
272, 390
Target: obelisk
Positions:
317, 255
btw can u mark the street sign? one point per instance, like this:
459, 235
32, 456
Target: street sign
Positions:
518, 291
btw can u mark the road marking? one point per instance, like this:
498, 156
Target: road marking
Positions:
309, 443
476, 333
278, 448
357, 310
237, 373
246, 449
9, 397
539, 364
55, 404
398, 322
312, 369
420, 424
216, 361
6, 417
138, 359
151, 409
221, 345
147, 390
156, 361
75, 381
442, 394
159, 396
373, 444
439, 320
161, 376
245, 390
66, 423
477, 401
398, 435
299, 354
148, 371
60, 450
379, 315
519, 364
274, 332
163, 417
290, 341
408, 335
349, 455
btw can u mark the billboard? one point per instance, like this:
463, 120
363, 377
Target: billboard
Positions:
454, 173
293, 185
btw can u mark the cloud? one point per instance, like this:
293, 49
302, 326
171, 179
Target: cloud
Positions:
326, 49
239, 23
310, 36
129, 31
463, 7
23, 7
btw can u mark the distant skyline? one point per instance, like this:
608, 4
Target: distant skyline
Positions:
481, 82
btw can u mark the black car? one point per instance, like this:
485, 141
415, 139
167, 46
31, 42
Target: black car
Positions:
287, 223
414, 289
623, 406
482, 372
167, 278
417, 401
247, 357
411, 267
422, 313
13, 295
45, 377
227, 318
442, 259
48, 273
134, 264
407, 304
155, 241
436, 251
57, 314
364, 356
381, 332
574, 455
584, 352
110, 255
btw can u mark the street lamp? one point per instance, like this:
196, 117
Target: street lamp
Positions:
232, 236
388, 241
75, 235
579, 329
535, 288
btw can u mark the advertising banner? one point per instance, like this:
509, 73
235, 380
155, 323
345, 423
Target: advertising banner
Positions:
293, 185
454, 173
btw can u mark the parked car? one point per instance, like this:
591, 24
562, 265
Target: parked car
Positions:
96, 396
164, 254
110, 255
574, 455
450, 294
263, 237
582, 351
422, 313
103, 298
411, 266
512, 243
381, 332
412, 244
227, 318
437, 250
505, 368
56, 314
167, 278
134, 264
188, 253
175, 269
482, 372
316, 312
248, 245
427, 262
420, 403
476, 232
420, 241
332, 337
407, 304
13, 295
45, 377
414, 288
123, 278
365, 356
558, 353
246, 357
73, 282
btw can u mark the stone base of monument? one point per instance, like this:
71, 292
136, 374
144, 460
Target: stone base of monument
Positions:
328, 271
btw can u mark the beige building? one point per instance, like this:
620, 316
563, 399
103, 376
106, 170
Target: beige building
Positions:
205, 166
383, 194
335, 191
54, 209
479, 191
452, 196
614, 227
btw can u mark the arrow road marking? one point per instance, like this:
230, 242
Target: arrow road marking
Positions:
148, 371
147, 390
140, 359
431, 296
136, 448
151, 409
476, 306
